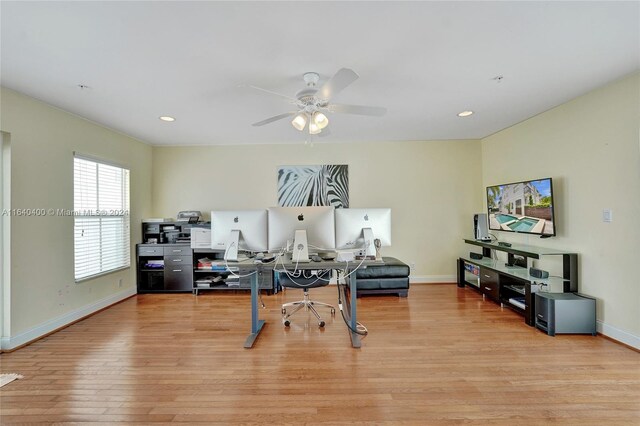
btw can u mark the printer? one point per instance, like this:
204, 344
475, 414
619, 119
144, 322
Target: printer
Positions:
201, 235
191, 216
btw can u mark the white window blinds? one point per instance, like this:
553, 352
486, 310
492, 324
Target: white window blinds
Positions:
101, 218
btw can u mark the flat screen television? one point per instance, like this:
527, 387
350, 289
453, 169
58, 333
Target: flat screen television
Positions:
525, 207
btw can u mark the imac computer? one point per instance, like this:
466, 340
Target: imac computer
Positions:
307, 226
359, 228
233, 230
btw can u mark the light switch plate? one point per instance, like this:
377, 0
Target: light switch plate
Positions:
607, 215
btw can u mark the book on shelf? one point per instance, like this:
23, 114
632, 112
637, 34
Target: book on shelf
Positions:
207, 264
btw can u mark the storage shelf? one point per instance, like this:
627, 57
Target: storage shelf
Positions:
516, 289
520, 249
516, 272
516, 308
221, 287
514, 282
156, 280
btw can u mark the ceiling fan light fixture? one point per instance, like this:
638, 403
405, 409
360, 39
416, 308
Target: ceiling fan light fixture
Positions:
320, 120
314, 129
299, 121
465, 113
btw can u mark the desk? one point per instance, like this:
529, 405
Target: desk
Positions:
257, 324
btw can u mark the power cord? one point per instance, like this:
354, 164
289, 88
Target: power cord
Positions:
226, 264
298, 273
360, 328
359, 265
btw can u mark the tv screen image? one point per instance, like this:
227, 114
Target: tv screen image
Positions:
525, 207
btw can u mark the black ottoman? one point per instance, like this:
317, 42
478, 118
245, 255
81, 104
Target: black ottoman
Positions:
392, 277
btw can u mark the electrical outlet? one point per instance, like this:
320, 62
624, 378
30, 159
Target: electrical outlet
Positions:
412, 266
120, 282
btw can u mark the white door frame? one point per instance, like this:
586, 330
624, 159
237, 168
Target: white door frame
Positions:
5, 239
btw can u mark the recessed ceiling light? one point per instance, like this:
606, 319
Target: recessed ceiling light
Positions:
465, 113
167, 118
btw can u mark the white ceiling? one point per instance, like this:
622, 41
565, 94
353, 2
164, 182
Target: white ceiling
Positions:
424, 61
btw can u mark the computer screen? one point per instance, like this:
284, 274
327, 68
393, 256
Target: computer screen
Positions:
351, 222
251, 224
318, 222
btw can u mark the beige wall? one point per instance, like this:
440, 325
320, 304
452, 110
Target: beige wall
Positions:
433, 188
590, 147
43, 139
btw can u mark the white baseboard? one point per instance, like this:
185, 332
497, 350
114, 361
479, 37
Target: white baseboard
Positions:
426, 279
617, 334
8, 343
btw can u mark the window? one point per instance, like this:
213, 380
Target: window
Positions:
101, 217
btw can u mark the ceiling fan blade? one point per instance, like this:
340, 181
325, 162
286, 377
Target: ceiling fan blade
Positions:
357, 109
274, 118
289, 98
343, 78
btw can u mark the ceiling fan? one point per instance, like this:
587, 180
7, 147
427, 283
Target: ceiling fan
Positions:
312, 102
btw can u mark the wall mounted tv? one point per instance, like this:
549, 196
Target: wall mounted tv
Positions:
525, 207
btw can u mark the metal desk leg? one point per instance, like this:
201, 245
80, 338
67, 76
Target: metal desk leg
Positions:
256, 324
355, 337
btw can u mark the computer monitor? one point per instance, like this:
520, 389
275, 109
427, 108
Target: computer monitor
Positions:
306, 226
358, 228
234, 230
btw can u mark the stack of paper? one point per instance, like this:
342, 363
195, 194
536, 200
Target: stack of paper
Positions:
154, 264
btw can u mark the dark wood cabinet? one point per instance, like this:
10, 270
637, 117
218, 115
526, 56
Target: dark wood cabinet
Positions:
174, 268
164, 268
490, 283
509, 283
178, 278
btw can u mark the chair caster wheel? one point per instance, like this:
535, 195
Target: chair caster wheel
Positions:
321, 324
284, 311
287, 323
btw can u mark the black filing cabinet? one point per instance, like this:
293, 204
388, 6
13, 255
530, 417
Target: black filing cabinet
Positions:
177, 273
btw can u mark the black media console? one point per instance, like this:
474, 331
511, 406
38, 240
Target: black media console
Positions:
512, 286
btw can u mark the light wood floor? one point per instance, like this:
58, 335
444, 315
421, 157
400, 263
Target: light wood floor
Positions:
442, 355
